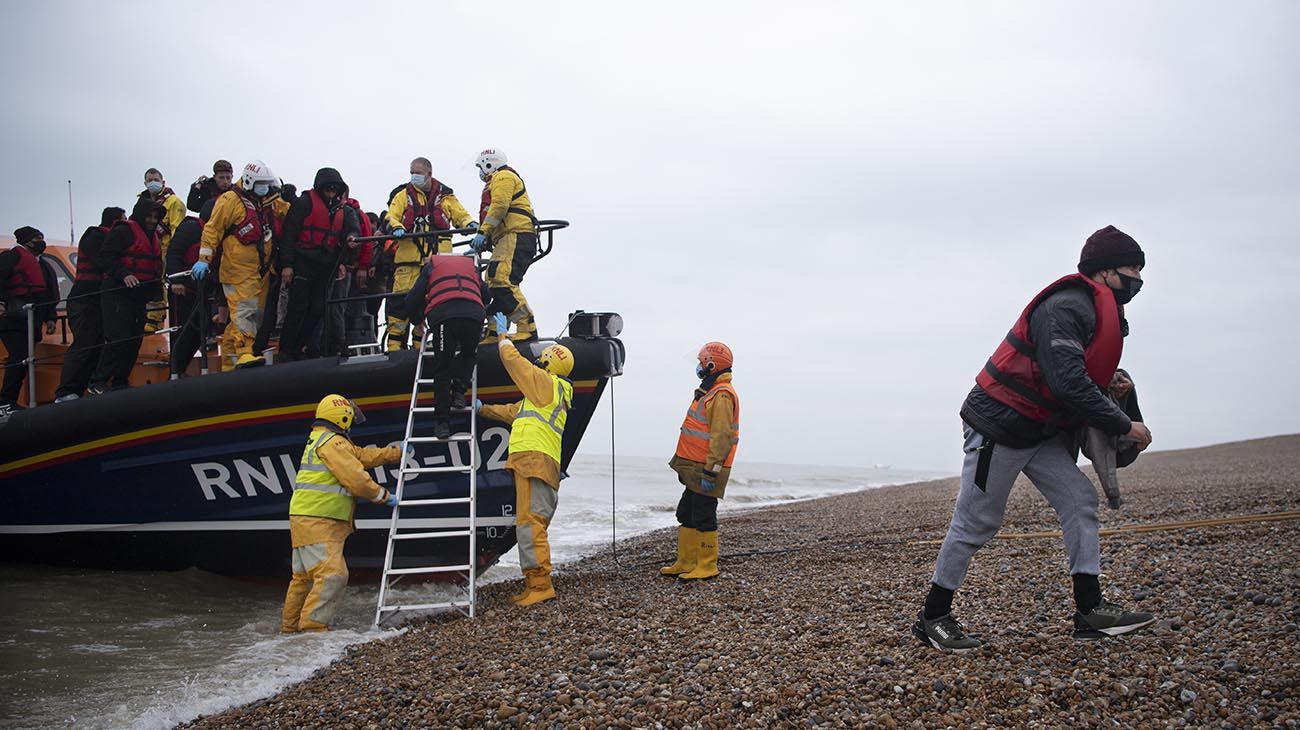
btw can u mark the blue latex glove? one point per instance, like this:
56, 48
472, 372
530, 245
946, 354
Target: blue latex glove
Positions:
707, 481
199, 270
392, 499
409, 450
399, 232
472, 225
502, 324
479, 243
478, 405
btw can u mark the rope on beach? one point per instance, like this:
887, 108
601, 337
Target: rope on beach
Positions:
1153, 526
865, 540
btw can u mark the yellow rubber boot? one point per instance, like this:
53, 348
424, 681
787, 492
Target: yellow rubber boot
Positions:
706, 565
521, 595
539, 589
688, 544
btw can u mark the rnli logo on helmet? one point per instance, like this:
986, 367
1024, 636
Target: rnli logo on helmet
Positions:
251, 167
488, 151
339, 402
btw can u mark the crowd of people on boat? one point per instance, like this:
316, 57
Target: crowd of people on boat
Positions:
299, 275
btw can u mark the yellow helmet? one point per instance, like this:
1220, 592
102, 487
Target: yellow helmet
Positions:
339, 411
557, 359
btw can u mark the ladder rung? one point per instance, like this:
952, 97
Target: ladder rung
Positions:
430, 535
435, 439
422, 606
431, 409
424, 502
436, 470
431, 569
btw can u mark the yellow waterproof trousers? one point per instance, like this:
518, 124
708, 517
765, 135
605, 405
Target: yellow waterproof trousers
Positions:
319, 576
535, 503
404, 277
246, 300
512, 254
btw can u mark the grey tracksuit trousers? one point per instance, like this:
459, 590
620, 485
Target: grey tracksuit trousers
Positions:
977, 516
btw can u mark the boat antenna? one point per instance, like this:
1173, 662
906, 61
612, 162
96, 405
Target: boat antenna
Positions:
72, 228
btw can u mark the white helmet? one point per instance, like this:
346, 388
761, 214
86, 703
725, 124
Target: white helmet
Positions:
257, 172
488, 162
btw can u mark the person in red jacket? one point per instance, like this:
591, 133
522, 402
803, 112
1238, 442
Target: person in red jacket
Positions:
131, 259
24, 279
1046, 379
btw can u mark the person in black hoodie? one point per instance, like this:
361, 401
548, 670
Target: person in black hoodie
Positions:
25, 278
210, 188
1047, 378
85, 315
131, 259
317, 229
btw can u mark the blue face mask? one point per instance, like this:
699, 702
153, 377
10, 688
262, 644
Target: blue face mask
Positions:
261, 189
153, 186
417, 180
700, 372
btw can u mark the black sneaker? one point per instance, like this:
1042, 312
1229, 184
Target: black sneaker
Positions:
441, 429
96, 389
1108, 620
944, 634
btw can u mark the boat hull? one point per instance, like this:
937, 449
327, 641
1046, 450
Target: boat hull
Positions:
198, 472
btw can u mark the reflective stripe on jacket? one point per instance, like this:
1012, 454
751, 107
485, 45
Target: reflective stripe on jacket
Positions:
693, 442
1012, 376
316, 491
541, 428
505, 201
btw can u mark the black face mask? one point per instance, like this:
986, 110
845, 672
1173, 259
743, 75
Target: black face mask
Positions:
36, 247
1131, 285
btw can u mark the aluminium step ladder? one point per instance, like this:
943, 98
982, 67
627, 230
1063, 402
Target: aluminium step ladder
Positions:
397, 533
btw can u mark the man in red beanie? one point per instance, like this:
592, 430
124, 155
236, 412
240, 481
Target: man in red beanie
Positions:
1048, 377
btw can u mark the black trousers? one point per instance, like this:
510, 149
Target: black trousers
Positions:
307, 293
194, 323
86, 320
697, 511
455, 342
270, 316
124, 318
15, 342
333, 337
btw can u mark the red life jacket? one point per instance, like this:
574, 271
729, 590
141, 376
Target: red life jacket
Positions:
452, 277
429, 216
365, 252
86, 268
321, 229
26, 278
143, 258
1013, 378
253, 229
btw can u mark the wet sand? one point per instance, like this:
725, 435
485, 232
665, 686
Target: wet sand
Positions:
808, 623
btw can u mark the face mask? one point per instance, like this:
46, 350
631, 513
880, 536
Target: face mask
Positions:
483, 175
1131, 286
153, 186
36, 247
417, 180
261, 189
700, 372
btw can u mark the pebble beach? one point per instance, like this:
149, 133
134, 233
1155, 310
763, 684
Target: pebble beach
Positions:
808, 622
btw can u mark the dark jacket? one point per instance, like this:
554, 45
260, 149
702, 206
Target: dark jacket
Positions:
188, 233
88, 250
46, 301
1060, 327
111, 254
413, 304
297, 215
202, 194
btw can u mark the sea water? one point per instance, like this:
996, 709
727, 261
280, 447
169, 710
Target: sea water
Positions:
120, 649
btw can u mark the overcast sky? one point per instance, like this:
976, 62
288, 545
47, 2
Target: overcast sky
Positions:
858, 198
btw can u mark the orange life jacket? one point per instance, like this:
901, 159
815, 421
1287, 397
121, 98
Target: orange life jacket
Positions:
693, 443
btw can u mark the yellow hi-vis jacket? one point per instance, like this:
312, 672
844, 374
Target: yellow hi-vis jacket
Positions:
331, 476
415, 250
506, 205
537, 421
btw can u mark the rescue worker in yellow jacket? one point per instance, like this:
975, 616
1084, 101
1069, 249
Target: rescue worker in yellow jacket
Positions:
155, 189
331, 476
706, 449
536, 434
245, 225
508, 228
422, 205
